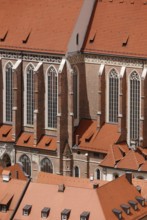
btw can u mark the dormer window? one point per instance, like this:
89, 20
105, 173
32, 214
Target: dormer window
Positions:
65, 214
5, 202
3, 208
133, 204
27, 210
45, 212
141, 200
84, 216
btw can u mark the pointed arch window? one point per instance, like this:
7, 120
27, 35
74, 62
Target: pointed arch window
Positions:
113, 96
24, 159
46, 166
8, 93
52, 98
29, 95
134, 106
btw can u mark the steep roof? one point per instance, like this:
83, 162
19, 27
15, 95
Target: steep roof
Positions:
41, 26
11, 190
92, 139
16, 172
99, 202
118, 28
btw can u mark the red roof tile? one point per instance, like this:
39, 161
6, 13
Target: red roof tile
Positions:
48, 25
16, 172
114, 155
26, 139
133, 160
116, 193
92, 139
6, 133
120, 28
49, 178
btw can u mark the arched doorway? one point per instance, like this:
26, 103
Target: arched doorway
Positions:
6, 161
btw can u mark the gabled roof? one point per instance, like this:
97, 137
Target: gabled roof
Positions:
133, 160
98, 202
118, 28
38, 26
92, 139
114, 155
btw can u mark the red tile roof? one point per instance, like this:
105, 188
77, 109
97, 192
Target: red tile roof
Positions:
26, 139
99, 202
92, 139
133, 160
48, 25
49, 178
116, 193
6, 133
143, 184
118, 28
14, 188
16, 172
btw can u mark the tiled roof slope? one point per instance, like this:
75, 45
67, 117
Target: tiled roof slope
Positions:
16, 172
48, 178
92, 139
127, 160
116, 193
46, 142
44, 26
12, 189
118, 27
98, 202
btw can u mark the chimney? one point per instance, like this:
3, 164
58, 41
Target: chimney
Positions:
6, 175
77, 139
61, 188
129, 177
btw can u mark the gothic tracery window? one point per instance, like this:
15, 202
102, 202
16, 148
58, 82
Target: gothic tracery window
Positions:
52, 97
46, 166
113, 96
134, 106
29, 95
8, 93
24, 159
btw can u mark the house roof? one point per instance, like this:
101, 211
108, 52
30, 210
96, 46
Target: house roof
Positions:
118, 28
116, 193
15, 170
10, 190
46, 142
38, 26
98, 202
92, 139
124, 158
6, 133
142, 184
49, 178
